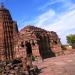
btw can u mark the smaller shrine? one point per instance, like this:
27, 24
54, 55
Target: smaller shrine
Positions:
44, 43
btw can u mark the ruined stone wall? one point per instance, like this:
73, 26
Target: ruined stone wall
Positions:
43, 42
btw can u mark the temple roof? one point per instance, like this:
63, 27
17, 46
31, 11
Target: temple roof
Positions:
2, 6
32, 28
4, 13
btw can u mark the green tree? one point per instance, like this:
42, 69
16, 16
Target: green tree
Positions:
71, 40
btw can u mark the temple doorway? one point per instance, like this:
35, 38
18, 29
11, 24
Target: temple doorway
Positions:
44, 47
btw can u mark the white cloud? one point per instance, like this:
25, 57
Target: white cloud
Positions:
49, 3
66, 22
66, 3
62, 23
44, 18
64, 26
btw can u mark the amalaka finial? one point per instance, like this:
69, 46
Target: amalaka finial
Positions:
1, 5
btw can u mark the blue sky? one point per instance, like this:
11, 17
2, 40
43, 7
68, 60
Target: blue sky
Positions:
52, 15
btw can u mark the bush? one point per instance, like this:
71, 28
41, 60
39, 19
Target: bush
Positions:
33, 58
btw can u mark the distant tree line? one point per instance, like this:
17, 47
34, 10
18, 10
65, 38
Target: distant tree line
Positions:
71, 40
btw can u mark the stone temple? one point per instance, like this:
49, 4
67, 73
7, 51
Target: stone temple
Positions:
8, 29
43, 43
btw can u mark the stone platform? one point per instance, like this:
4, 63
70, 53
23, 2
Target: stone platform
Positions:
61, 65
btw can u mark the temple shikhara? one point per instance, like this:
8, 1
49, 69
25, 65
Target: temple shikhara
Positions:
8, 29
13, 42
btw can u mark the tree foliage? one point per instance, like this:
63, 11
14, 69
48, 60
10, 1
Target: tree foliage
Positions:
71, 39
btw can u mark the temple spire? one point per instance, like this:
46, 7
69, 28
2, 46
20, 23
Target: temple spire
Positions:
1, 5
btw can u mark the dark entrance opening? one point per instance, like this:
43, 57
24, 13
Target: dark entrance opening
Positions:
44, 47
28, 48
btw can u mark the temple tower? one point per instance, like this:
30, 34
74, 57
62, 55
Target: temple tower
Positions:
8, 29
